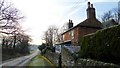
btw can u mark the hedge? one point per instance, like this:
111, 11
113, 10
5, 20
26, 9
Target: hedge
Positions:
104, 45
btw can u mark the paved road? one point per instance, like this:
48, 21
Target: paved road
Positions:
21, 61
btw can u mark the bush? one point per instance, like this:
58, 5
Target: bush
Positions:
104, 45
41, 47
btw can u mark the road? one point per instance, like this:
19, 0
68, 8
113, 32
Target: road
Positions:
21, 61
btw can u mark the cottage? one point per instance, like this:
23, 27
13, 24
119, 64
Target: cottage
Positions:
90, 25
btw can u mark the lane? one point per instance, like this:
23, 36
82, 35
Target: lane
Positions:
21, 61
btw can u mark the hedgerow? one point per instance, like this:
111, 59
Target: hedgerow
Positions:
104, 45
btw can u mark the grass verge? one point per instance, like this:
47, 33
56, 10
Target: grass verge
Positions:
39, 60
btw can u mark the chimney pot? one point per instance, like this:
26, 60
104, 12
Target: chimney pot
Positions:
69, 20
88, 4
91, 5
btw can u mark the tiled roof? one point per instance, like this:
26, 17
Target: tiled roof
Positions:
109, 23
91, 23
87, 23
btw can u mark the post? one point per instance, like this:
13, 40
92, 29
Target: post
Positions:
60, 61
60, 57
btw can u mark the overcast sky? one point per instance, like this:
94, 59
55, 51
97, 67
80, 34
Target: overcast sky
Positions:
39, 14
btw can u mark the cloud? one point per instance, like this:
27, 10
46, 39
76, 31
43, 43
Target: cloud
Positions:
42, 13
104, 0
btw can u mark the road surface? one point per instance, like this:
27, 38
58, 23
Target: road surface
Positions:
21, 61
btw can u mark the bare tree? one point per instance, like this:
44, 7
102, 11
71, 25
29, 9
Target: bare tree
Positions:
9, 18
106, 16
51, 36
20, 46
111, 14
116, 14
10, 21
15, 40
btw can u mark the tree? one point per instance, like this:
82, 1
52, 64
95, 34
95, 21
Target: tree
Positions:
9, 18
10, 45
10, 21
117, 14
22, 42
51, 35
14, 40
106, 16
111, 14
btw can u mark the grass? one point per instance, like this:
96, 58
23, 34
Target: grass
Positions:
39, 60
53, 57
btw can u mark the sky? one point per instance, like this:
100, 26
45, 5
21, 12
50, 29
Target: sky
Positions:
40, 14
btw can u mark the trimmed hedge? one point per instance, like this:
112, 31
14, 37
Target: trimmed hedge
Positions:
104, 45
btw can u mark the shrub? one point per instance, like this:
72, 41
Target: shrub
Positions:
41, 47
104, 45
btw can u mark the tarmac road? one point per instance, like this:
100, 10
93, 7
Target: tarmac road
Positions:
21, 61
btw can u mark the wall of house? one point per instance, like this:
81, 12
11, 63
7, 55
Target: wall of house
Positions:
66, 36
75, 34
86, 30
72, 35
81, 31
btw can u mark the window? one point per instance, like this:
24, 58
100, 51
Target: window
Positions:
63, 37
72, 33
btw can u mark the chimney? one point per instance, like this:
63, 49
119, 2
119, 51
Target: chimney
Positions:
70, 24
91, 11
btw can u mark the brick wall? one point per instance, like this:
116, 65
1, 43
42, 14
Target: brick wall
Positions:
77, 33
86, 30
